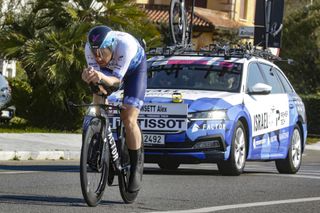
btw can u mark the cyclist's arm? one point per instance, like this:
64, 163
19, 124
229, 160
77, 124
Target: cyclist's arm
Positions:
109, 80
98, 75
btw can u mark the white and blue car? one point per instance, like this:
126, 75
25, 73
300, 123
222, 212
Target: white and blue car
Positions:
207, 109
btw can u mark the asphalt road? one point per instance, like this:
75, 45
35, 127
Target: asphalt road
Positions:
54, 186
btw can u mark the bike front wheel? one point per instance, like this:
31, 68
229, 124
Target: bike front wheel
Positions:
94, 163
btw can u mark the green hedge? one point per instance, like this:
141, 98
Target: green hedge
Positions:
312, 105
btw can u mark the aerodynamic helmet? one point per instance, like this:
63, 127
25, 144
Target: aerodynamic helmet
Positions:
101, 37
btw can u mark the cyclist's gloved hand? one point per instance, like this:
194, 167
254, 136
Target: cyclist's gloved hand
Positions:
90, 75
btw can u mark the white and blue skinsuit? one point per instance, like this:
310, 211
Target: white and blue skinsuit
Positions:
128, 63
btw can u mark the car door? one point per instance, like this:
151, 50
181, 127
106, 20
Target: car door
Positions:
265, 108
296, 109
278, 126
258, 106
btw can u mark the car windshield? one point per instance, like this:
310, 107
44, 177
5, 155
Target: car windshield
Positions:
226, 77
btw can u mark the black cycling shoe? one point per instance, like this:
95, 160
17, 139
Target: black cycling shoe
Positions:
136, 170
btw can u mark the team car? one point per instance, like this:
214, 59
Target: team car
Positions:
220, 108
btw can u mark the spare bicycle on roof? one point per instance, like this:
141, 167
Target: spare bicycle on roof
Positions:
267, 33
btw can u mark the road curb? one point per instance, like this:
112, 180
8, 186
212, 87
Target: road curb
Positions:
315, 146
39, 155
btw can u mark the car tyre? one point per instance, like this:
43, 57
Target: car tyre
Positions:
234, 166
291, 164
169, 165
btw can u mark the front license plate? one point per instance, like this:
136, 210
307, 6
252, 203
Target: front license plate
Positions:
149, 139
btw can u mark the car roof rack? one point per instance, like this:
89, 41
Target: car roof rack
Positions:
215, 50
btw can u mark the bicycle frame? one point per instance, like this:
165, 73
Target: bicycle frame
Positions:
108, 137
107, 133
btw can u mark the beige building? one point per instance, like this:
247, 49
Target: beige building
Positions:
212, 17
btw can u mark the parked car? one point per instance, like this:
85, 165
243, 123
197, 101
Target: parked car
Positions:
224, 109
6, 111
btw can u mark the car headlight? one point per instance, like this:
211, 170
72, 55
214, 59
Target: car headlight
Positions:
209, 115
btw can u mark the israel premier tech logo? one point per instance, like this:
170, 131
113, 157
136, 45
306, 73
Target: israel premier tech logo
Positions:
260, 121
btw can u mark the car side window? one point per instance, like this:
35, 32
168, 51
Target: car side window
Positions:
271, 78
287, 86
254, 75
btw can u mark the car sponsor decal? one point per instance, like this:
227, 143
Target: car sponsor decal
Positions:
188, 62
272, 120
160, 117
208, 125
268, 113
270, 145
204, 128
269, 139
195, 60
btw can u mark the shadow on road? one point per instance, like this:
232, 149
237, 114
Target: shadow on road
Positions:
197, 172
48, 200
148, 170
45, 168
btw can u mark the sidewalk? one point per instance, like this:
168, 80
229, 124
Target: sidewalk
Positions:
39, 146
48, 146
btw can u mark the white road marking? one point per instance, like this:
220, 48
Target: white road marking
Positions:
17, 172
244, 205
308, 173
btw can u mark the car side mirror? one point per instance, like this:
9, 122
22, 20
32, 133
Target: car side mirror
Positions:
260, 89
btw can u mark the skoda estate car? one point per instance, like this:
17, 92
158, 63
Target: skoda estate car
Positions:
202, 108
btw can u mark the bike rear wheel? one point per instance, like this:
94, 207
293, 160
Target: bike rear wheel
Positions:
123, 178
94, 163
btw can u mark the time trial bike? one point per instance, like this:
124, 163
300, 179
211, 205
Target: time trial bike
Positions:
103, 156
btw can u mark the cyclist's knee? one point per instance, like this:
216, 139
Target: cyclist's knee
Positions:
129, 117
130, 124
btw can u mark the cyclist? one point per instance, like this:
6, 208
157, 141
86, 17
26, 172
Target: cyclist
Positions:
115, 57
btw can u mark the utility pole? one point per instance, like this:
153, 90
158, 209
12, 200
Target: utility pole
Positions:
267, 20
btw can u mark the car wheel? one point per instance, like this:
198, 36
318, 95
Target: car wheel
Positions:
237, 160
291, 164
169, 165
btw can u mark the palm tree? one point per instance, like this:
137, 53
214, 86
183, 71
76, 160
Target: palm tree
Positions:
302, 27
48, 37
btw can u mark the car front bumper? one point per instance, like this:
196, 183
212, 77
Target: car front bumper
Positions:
183, 156
209, 149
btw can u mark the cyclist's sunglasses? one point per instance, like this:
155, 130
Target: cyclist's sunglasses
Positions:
101, 52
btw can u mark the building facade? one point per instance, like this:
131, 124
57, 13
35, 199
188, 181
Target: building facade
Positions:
238, 10
212, 17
